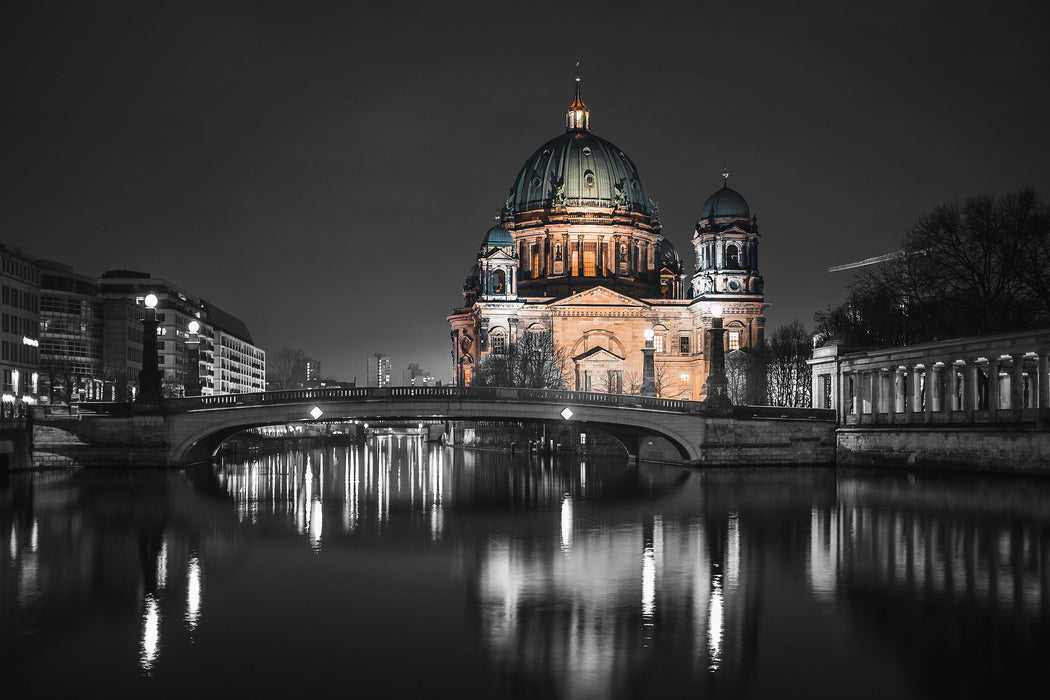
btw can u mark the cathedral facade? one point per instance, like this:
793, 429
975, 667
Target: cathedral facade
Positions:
578, 252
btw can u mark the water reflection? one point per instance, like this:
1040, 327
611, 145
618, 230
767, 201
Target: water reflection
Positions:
570, 579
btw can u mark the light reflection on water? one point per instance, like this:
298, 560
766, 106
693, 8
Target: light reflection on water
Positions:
495, 575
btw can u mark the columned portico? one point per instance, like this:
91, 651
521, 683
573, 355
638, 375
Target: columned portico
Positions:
941, 382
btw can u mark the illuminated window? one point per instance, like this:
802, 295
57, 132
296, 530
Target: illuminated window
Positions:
734, 340
590, 254
658, 343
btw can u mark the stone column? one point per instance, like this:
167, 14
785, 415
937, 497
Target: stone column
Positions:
970, 391
1044, 380
876, 394
1044, 387
953, 389
908, 391
1017, 384
892, 382
993, 386
929, 381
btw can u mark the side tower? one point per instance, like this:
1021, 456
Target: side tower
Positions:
726, 245
727, 276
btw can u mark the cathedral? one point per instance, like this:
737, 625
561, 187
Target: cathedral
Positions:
577, 252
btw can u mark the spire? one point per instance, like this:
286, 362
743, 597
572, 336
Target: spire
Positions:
578, 118
725, 176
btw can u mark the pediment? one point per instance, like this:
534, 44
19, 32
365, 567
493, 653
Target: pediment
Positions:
598, 296
597, 354
498, 254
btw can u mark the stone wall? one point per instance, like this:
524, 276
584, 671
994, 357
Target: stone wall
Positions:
767, 441
947, 448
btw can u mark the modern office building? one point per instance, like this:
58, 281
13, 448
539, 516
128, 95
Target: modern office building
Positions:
378, 370
414, 376
19, 325
71, 336
227, 359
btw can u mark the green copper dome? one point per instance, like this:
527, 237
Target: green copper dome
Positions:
726, 202
579, 169
498, 237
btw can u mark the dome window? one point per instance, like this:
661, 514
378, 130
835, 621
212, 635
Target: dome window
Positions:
535, 182
588, 179
586, 150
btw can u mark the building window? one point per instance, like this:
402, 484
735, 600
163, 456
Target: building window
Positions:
732, 258
683, 344
734, 340
658, 343
499, 344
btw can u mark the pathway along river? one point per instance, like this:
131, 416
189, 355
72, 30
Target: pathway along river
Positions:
399, 569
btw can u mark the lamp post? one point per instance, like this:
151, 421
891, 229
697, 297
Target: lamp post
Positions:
149, 378
193, 377
648, 368
717, 385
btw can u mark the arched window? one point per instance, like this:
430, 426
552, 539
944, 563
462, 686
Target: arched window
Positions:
732, 258
499, 282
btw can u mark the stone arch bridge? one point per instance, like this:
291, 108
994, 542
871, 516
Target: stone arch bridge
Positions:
190, 430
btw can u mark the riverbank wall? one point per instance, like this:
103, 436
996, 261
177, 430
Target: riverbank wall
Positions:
976, 448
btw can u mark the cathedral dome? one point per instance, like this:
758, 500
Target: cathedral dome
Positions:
669, 256
726, 202
498, 237
578, 168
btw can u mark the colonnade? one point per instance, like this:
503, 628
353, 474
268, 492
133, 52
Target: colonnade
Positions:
934, 390
994, 378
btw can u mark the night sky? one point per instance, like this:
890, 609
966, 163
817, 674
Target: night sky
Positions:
327, 170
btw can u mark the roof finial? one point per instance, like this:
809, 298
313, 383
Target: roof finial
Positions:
725, 176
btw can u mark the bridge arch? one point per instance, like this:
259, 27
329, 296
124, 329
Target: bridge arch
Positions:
196, 427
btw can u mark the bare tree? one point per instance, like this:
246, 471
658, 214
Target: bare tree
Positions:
534, 361
666, 378
788, 376
968, 268
285, 368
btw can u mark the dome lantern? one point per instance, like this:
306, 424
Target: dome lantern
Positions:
578, 117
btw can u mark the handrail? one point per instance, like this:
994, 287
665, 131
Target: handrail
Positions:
400, 393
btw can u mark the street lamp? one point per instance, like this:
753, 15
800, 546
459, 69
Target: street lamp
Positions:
193, 376
648, 367
717, 385
149, 378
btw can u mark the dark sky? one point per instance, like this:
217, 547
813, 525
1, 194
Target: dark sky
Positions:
326, 170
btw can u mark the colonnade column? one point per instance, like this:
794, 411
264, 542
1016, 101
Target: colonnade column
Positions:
993, 386
972, 394
953, 389
893, 380
1017, 384
908, 391
929, 393
876, 394
1044, 387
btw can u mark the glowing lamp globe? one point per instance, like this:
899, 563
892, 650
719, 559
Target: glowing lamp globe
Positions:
194, 326
151, 301
716, 311
649, 334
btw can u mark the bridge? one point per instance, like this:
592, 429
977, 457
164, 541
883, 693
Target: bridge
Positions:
190, 430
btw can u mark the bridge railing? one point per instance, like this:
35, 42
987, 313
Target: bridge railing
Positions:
404, 393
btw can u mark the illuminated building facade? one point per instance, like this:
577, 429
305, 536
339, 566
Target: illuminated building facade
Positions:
378, 370
70, 335
20, 329
228, 360
578, 252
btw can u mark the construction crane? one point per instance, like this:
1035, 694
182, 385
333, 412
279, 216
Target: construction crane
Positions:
868, 261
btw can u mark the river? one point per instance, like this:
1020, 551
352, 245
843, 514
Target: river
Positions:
401, 569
